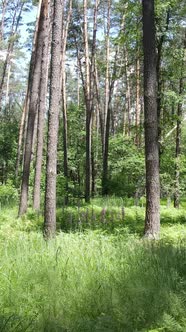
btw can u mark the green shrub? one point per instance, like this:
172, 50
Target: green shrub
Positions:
8, 195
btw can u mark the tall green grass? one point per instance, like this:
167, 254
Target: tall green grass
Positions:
90, 281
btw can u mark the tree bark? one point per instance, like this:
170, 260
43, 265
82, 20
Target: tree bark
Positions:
128, 94
88, 107
4, 5
152, 219
41, 109
158, 68
34, 75
15, 25
53, 122
107, 107
138, 108
64, 100
20, 139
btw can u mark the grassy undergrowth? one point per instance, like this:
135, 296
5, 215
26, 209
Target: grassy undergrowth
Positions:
95, 280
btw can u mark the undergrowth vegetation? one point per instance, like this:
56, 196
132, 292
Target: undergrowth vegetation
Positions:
93, 278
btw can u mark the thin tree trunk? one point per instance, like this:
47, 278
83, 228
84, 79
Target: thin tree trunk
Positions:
138, 108
4, 3
78, 85
152, 219
15, 25
178, 131
158, 68
8, 83
53, 122
64, 101
88, 108
20, 140
34, 139
35, 73
98, 99
41, 110
178, 151
107, 133
107, 75
107, 107
30, 77
128, 94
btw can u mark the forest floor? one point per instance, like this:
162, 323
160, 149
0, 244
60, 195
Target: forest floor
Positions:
97, 275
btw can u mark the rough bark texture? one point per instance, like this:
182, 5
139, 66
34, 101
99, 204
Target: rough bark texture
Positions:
41, 109
53, 122
88, 107
64, 100
152, 220
107, 108
34, 75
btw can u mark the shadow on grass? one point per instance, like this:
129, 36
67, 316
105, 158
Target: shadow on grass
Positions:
137, 286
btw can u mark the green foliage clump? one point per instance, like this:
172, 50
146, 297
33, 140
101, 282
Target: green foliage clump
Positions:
8, 195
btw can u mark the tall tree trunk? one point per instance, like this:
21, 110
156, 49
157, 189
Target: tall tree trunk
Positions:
107, 107
34, 139
88, 108
178, 130
4, 5
41, 109
53, 122
35, 72
107, 74
20, 139
107, 132
152, 219
98, 100
30, 79
178, 150
15, 25
128, 94
64, 100
158, 68
138, 108
8, 83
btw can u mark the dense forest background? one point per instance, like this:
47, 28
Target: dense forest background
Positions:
115, 61
92, 158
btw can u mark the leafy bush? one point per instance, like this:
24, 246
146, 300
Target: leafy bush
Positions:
8, 195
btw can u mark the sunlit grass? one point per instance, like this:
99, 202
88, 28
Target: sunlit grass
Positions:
93, 280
